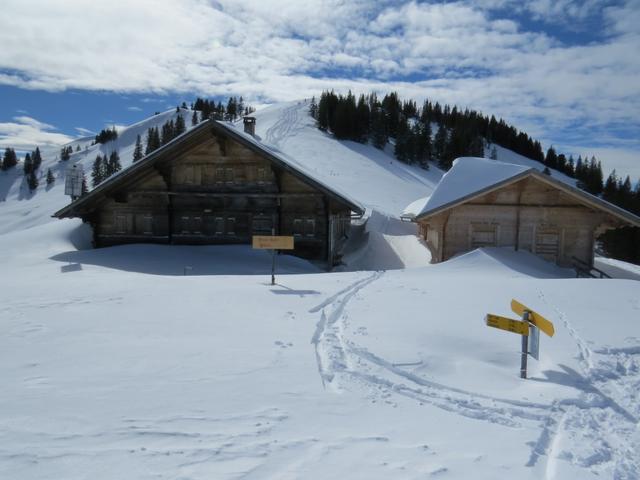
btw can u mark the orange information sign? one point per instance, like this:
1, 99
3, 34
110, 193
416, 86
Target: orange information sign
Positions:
272, 242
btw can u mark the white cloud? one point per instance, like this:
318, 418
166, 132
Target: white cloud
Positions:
85, 131
470, 53
133, 108
27, 133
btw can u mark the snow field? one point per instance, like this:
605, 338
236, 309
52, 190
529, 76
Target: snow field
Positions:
117, 365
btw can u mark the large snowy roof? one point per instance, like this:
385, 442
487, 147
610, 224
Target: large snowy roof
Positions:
135, 170
467, 176
470, 177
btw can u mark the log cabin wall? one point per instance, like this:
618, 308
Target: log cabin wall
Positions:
220, 192
528, 215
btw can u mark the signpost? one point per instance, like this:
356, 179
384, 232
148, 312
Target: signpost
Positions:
73, 181
529, 328
273, 243
503, 323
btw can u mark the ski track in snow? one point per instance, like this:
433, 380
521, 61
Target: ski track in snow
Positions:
286, 126
342, 362
596, 430
599, 430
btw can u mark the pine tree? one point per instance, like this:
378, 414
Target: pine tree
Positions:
50, 178
153, 140
137, 151
10, 159
313, 108
65, 153
439, 145
32, 180
28, 164
494, 153
423, 144
240, 107
551, 160
180, 127
610, 190
97, 171
168, 132
402, 147
194, 118
85, 188
378, 132
113, 165
37, 159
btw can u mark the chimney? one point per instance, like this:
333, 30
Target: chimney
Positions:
250, 125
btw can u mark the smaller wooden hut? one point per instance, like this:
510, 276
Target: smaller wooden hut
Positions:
486, 203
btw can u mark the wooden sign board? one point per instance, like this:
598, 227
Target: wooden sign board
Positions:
538, 320
272, 242
508, 324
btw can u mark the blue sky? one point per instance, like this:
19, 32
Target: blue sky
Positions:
564, 71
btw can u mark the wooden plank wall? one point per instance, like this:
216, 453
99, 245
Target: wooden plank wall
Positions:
221, 192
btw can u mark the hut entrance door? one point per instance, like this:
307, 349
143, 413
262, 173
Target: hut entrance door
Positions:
547, 244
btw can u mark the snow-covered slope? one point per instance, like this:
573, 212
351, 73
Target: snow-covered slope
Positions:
116, 365
20, 208
373, 177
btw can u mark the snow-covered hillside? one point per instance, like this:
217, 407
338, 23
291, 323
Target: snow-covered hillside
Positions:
116, 365
142, 362
20, 208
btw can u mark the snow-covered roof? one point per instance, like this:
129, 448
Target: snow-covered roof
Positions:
467, 176
138, 168
470, 177
415, 208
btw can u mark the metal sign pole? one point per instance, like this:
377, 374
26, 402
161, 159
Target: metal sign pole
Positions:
525, 343
273, 267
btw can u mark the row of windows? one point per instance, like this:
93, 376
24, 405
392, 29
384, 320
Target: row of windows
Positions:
209, 175
219, 225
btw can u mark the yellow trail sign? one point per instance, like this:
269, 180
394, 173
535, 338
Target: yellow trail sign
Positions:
272, 242
508, 324
538, 320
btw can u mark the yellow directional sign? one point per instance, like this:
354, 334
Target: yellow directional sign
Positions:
272, 242
508, 324
538, 320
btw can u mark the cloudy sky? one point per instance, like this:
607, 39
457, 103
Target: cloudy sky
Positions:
566, 72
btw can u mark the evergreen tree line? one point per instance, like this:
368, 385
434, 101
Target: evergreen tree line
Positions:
622, 243
158, 137
65, 153
369, 119
31, 163
106, 135
104, 167
234, 109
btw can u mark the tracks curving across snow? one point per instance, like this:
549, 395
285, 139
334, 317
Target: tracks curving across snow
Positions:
342, 363
599, 430
287, 125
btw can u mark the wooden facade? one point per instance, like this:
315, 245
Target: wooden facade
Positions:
531, 212
214, 185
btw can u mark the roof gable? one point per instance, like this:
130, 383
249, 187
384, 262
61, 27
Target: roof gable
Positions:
467, 178
470, 178
138, 170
